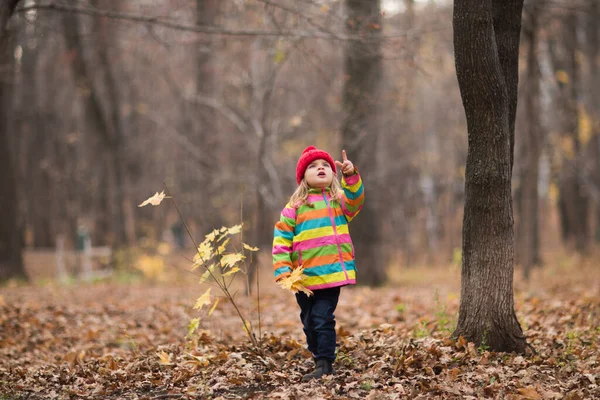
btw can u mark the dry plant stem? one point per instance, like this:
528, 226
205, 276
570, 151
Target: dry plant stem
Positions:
257, 298
223, 288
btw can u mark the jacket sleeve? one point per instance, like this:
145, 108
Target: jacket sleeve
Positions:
283, 237
354, 195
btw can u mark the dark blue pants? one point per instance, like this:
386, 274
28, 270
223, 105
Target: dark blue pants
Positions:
316, 313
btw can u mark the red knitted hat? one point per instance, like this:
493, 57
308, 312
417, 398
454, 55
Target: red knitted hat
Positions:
310, 154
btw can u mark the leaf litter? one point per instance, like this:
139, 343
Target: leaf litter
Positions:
115, 341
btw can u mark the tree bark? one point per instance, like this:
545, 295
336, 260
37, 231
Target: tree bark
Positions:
531, 151
11, 245
485, 68
363, 68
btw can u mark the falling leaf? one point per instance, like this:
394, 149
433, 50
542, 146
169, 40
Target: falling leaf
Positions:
203, 300
154, 200
248, 247
294, 282
165, 358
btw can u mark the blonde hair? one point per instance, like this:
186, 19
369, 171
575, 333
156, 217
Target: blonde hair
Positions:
300, 195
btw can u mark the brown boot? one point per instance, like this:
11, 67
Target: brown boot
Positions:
323, 367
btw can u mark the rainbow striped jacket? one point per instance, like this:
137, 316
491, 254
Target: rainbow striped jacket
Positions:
315, 235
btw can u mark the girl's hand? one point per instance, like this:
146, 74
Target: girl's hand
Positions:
346, 166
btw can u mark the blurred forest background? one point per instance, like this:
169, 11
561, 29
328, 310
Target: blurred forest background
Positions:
102, 101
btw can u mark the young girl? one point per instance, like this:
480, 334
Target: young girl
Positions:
312, 232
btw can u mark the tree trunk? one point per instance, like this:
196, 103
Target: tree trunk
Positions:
531, 150
116, 143
573, 202
11, 245
593, 39
486, 36
360, 131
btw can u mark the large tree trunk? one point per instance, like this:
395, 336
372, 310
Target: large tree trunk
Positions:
11, 259
531, 150
360, 130
486, 38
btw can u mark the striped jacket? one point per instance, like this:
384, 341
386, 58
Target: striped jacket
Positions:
315, 235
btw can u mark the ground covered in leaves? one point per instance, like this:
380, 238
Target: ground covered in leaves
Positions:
112, 340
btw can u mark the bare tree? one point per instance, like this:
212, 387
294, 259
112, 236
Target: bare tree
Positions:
531, 143
11, 261
573, 200
486, 43
360, 129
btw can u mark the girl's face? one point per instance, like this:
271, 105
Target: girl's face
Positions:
318, 174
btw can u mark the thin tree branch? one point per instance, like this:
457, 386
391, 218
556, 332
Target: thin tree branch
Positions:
213, 30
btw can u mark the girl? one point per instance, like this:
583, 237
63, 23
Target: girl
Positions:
312, 232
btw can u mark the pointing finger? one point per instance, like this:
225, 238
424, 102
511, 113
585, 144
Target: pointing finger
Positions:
344, 157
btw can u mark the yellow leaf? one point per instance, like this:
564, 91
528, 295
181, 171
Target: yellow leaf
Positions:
207, 274
562, 76
194, 324
585, 126
221, 248
165, 358
234, 229
205, 252
279, 56
568, 147
211, 236
248, 247
203, 300
154, 200
293, 282
232, 271
213, 307
229, 260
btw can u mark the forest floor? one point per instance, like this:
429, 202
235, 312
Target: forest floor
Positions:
127, 340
